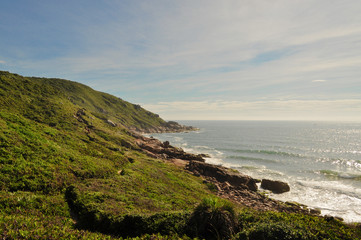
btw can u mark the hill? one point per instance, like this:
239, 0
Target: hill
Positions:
73, 167
43, 99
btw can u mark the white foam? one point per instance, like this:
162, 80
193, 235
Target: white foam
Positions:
331, 197
334, 194
178, 139
203, 148
215, 161
189, 150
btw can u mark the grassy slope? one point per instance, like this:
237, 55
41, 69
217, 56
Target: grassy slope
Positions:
47, 151
36, 93
44, 149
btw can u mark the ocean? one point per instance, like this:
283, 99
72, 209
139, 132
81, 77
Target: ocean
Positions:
321, 161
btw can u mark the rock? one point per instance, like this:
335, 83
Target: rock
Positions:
166, 144
275, 186
79, 115
292, 203
111, 123
170, 126
80, 112
157, 149
315, 211
101, 110
222, 174
329, 218
196, 174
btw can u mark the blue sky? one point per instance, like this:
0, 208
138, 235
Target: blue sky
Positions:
205, 59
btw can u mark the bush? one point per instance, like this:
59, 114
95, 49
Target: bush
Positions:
273, 231
213, 219
127, 225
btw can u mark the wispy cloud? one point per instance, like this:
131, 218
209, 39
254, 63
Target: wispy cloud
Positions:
327, 110
319, 80
158, 51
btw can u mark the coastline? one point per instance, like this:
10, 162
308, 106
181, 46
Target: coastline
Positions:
322, 175
166, 127
72, 164
225, 182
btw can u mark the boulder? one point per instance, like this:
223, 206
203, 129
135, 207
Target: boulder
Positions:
166, 144
315, 211
164, 150
222, 174
110, 122
275, 186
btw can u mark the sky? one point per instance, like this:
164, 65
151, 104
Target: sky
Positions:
197, 59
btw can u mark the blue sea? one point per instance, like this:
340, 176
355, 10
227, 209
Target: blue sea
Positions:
321, 161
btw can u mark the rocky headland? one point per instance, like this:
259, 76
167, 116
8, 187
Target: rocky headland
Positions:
74, 165
170, 126
227, 183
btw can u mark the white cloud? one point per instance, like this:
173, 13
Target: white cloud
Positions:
2, 62
319, 80
210, 43
201, 35
238, 51
330, 110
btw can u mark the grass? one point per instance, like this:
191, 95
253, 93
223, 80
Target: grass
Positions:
51, 97
47, 145
271, 225
66, 173
214, 218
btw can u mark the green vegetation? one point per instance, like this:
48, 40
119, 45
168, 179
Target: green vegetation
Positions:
66, 172
270, 225
55, 99
214, 218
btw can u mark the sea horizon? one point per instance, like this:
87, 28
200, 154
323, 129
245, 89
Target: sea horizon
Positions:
183, 121
320, 160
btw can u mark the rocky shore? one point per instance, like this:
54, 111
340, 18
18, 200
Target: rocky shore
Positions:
227, 183
169, 126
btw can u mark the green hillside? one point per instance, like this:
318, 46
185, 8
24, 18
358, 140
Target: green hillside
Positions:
70, 169
43, 99
54, 133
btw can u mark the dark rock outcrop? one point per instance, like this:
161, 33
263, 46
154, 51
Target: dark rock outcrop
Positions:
222, 174
275, 186
155, 148
170, 126
80, 114
227, 183
240, 188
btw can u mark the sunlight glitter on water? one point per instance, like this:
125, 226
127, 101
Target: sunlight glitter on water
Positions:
321, 162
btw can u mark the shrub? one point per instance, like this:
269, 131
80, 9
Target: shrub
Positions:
126, 225
213, 219
273, 231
